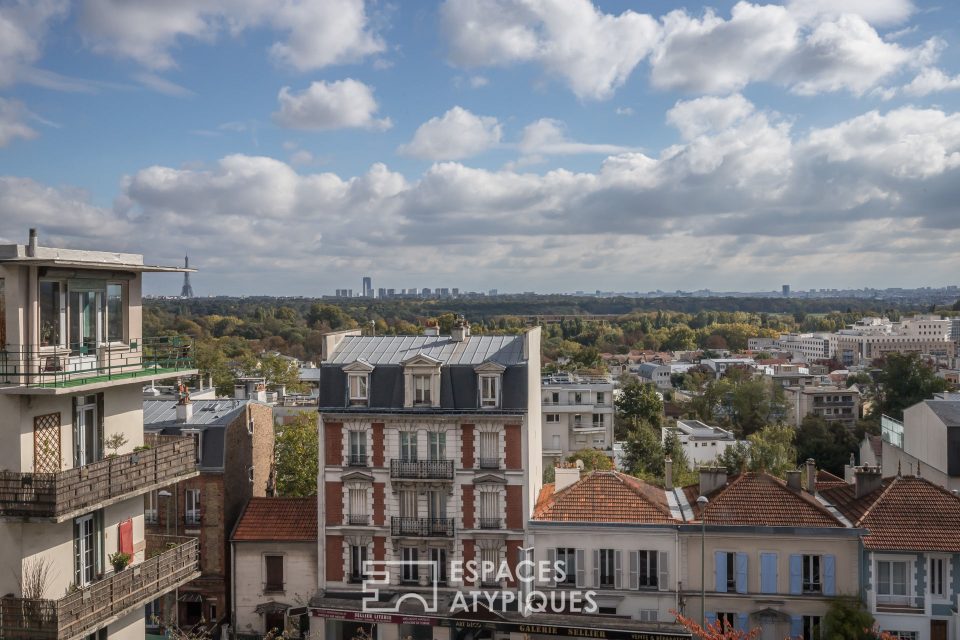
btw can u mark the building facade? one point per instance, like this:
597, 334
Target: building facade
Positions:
702, 443
872, 338
234, 456
75, 461
833, 404
577, 414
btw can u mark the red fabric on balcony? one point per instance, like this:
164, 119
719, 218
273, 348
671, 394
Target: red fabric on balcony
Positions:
126, 536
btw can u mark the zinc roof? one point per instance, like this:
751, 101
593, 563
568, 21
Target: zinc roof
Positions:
381, 350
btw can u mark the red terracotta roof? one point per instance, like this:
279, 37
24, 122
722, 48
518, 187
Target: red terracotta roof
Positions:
906, 514
604, 496
760, 499
278, 520
826, 480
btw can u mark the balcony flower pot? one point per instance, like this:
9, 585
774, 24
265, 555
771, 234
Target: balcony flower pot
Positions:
119, 560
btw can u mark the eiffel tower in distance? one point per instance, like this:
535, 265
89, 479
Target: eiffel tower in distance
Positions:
187, 290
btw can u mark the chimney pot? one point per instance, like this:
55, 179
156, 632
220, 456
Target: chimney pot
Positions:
32, 245
811, 476
668, 474
565, 475
867, 480
712, 478
184, 410
793, 479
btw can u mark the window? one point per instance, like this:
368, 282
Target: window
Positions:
115, 296
409, 572
598, 419
273, 573
437, 504
647, 574
727, 619
358, 388
556, 442
408, 503
150, 507
489, 444
811, 574
567, 560
490, 556
192, 506
555, 397
52, 313
937, 577
87, 548
358, 506
599, 397
731, 574
438, 445
489, 391
439, 559
811, 627
87, 430
490, 510
408, 446
197, 442
607, 568
577, 398
358, 555
421, 389
358, 449
553, 417
891, 577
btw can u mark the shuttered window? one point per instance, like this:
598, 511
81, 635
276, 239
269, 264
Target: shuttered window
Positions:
274, 573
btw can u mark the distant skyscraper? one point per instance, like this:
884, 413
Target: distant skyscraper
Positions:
187, 291
367, 287
786, 291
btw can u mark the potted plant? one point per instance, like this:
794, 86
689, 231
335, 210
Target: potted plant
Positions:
119, 560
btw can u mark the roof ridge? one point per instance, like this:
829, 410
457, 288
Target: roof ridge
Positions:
869, 510
639, 492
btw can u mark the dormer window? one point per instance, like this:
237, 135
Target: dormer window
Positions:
421, 381
421, 389
358, 388
489, 381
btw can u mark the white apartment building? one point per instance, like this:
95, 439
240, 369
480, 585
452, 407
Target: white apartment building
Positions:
577, 414
805, 346
832, 403
702, 443
719, 366
872, 338
75, 461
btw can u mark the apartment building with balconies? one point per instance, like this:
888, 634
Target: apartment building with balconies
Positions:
832, 403
430, 451
76, 463
577, 414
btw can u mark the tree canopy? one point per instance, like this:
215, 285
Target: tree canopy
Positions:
297, 456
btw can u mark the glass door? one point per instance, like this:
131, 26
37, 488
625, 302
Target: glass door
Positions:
86, 432
86, 320
85, 544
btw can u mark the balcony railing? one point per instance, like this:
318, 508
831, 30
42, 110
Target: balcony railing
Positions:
60, 495
421, 469
489, 463
75, 365
422, 527
357, 460
171, 562
900, 604
490, 523
358, 520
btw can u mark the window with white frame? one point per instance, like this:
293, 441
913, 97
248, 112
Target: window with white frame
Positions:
409, 572
408, 446
607, 568
647, 571
358, 388
422, 388
553, 417
408, 503
358, 506
192, 506
490, 510
937, 577
437, 441
892, 577
811, 574
489, 446
811, 627
358, 449
489, 391
150, 507
490, 556
358, 556
438, 556
197, 436
567, 560
273, 573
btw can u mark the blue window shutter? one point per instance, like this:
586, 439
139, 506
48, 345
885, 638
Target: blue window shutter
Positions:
796, 625
829, 575
768, 573
796, 574
742, 622
711, 618
720, 561
741, 573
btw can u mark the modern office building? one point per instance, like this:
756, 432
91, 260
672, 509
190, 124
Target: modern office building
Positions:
76, 462
872, 338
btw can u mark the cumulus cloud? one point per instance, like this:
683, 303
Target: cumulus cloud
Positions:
742, 191
877, 12
23, 26
592, 52
319, 33
931, 80
323, 105
455, 135
12, 115
547, 136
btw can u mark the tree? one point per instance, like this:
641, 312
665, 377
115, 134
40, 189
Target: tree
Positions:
829, 443
772, 450
736, 457
673, 448
848, 619
716, 630
643, 452
904, 380
297, 456
593, 460
280, 372
638, 402
755, 402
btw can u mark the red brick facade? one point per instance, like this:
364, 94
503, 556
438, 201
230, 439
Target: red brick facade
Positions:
333, 444
513, 446
467, 502
334, 551
514, 506
378, 447
334, 500
379, 504
466, 447
469, 551
379, 550
513, 556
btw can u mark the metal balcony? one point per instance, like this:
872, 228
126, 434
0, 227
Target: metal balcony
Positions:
489, 463
421, 469
491, 523
171, 562
422, 527
357, 460
62, 495
358, 520
73, 367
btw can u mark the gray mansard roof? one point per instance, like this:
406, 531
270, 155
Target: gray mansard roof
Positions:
505, 350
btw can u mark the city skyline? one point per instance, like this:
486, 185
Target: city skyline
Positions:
729, 146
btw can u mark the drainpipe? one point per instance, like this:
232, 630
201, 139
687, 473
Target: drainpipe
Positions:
233, 589
676, 579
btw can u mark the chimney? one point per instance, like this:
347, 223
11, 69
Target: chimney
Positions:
565, 475
848, 470
793, 479
712, 478
668, 474
32, 245
811, 476
460, 330
867, 480
432, 329
184, 410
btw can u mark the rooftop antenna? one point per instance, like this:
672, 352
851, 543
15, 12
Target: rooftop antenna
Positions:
187, 291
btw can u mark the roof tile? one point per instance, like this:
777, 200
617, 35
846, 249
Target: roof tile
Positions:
604, 496
278, 520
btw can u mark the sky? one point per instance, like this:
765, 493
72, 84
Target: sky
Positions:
293, 146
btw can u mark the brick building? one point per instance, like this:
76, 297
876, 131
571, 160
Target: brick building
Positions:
234, 445
430, 451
